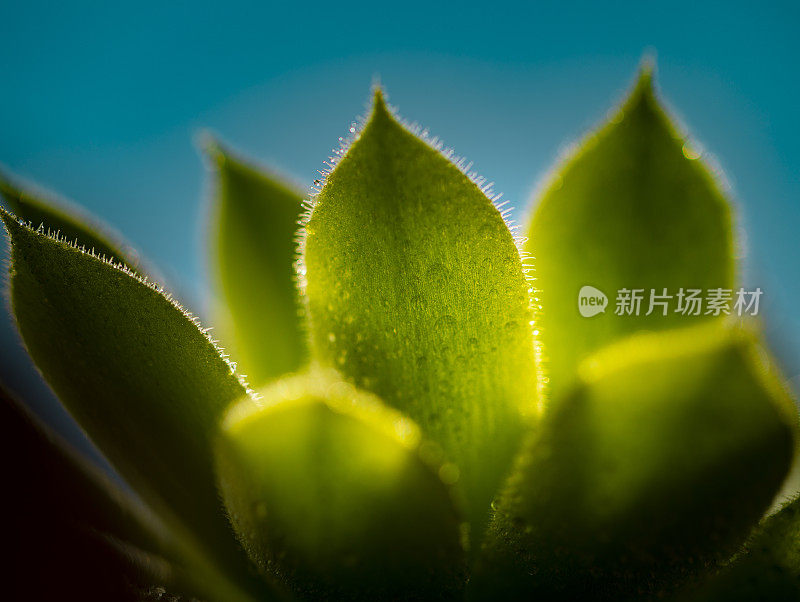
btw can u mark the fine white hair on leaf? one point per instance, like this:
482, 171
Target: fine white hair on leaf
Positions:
589, 137
144, 280
213, 146
68, 209
345, 143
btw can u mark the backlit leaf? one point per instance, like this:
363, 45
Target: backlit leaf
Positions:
136, 372
69, 223
253, 232
416, 292
336, 494
654, 467
633, 208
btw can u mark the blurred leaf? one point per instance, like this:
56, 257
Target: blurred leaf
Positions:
656, 466
633, 208
57, 517
77, 535
768, 568
253, 236
134, 370
70, 224
416, 292
333, 492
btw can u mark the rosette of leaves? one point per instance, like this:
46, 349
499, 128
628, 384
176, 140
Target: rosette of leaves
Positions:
428, 416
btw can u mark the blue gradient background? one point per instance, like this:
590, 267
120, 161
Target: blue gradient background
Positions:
100, 102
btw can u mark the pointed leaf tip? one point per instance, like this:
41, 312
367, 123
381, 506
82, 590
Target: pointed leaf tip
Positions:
210, 146
139, 376
13, 224
630, 185
440, 327
647, 71
643, 93
252, 234
5, 215
35, 209
379, 106
218, 152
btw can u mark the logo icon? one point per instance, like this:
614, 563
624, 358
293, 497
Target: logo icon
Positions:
591, 301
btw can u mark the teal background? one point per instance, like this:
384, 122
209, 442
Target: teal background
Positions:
101, 101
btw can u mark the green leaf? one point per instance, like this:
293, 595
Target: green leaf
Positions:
334, 493
654, 467
632, 208
69, 223
136, 372
253, 239
416, 292
76, 535
768, 568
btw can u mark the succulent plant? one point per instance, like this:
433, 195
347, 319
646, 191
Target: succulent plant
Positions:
429, 412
